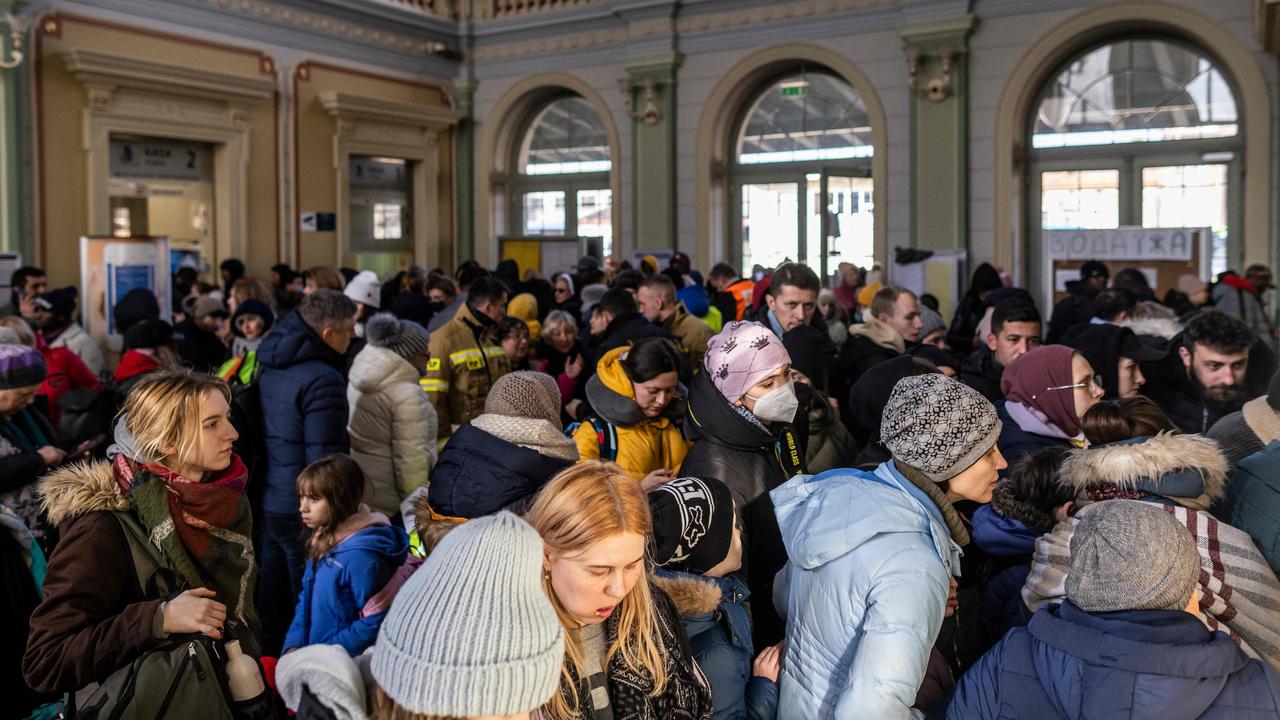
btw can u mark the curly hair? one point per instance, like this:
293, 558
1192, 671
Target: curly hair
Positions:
1217, 331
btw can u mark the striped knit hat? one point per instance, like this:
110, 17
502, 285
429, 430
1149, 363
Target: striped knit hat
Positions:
472, 632
20, 366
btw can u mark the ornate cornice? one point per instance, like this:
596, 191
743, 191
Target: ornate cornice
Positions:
686, 25
346, 107
106, 71
346, 30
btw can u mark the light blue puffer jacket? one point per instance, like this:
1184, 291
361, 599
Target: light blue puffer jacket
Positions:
864, 592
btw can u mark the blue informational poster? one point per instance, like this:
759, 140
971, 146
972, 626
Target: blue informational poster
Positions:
123, 278
112, 267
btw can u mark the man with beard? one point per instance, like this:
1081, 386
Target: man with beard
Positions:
1205, 378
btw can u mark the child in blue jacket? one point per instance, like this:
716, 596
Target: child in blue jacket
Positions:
1023, 507
352, 553
697, 543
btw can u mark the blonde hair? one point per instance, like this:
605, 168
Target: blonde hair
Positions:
247, 288
163, 411
384, 708
579, 507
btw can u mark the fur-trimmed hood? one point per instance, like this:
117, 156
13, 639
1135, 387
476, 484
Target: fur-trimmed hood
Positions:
1157, 327
75, 490
692, 595
1188, 468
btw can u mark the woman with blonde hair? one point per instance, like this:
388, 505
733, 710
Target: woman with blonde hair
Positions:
172, 483
626, 652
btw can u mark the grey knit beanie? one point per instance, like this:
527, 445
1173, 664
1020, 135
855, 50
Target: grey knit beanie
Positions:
1131, 555
402, 337
525, 394
930, 321
937, 425
472, 632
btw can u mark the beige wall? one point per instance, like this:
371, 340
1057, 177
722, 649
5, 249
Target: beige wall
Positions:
60, 103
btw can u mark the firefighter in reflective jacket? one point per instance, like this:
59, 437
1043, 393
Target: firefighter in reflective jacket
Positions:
465, 360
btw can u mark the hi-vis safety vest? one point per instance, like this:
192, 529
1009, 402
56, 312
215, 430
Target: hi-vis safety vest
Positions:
742, 292
461, 371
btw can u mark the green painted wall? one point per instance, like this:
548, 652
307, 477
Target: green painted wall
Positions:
939, 133
654, 152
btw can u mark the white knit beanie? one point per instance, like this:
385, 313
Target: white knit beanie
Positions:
472, 632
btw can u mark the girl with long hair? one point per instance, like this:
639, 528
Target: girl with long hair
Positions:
625, 649
351, 555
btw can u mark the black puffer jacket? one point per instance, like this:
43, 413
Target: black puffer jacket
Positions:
751, 460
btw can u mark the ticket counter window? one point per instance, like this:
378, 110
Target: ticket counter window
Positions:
381, 211
159, 186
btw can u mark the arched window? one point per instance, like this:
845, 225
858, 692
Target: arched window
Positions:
801, 174
562, 173
1139, 131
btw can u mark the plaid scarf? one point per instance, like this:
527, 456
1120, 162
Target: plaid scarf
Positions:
1239, 594
203, 530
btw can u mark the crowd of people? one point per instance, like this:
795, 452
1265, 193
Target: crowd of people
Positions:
641, 492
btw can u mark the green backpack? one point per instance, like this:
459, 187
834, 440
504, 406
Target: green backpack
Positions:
184, 678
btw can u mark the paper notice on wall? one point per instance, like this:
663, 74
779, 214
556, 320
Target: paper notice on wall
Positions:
1124, 243
111, 268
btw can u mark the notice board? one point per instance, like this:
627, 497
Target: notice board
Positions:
1162, 254
547, 255
109, 268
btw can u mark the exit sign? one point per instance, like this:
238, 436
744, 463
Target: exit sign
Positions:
793, 90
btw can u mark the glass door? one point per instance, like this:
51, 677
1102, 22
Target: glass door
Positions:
771, 217
1190, 196
1071, 196
848, 225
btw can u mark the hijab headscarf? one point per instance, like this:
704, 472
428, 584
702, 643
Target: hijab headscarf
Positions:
1028, 379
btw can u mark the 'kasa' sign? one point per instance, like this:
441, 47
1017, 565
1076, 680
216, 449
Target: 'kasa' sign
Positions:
1125, 243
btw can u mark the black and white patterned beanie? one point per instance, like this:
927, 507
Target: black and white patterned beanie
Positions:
937, 425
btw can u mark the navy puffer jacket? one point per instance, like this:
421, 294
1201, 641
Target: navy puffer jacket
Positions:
479, 474
304, 398
1132, 664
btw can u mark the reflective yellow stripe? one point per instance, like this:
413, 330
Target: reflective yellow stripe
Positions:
492, 351
463, 356
434, 385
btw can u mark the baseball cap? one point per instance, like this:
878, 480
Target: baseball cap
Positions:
1094, 268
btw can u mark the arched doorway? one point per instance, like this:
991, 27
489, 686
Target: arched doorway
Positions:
1137, 130
800, 173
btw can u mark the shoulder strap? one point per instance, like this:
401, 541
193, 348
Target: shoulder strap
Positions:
153, 574
606, 437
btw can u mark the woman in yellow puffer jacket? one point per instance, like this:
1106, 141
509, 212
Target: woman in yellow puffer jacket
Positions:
638, 401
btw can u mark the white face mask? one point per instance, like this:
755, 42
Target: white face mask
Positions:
777, 405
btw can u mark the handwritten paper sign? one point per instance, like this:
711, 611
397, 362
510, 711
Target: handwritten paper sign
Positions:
1124, 243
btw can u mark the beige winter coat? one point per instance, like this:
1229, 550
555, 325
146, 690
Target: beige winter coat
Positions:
392, 427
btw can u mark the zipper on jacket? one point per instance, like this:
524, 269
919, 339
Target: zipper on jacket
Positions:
177, 678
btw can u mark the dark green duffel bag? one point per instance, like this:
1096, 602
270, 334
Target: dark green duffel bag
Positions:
183, 679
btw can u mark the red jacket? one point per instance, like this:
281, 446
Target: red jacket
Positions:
66, 371
134, 363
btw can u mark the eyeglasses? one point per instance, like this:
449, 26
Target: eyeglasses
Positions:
1095, 381
562, 291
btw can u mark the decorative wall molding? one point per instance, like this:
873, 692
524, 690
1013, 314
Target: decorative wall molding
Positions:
780, 12
684, 25
561, 43
104, 70
347, 30
348, 106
